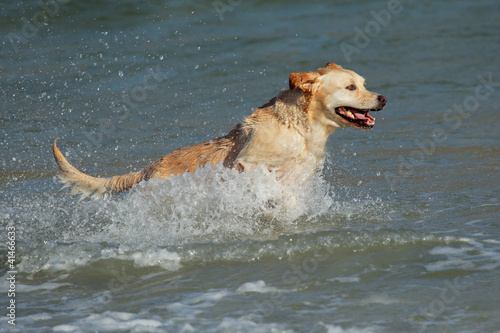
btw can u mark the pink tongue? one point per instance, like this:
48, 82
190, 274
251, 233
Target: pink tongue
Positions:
362, 116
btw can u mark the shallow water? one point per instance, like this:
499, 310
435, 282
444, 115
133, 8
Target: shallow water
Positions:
398, 233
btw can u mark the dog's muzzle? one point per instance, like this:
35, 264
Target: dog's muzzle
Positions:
361, 117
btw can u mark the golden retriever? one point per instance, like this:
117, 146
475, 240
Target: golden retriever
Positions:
286, 136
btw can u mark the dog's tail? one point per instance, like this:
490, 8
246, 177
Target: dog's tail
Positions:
88, 185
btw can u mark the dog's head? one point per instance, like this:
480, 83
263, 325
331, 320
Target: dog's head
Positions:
339, 95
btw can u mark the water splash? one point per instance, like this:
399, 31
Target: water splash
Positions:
211, 205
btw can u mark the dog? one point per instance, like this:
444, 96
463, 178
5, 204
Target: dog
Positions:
286, 136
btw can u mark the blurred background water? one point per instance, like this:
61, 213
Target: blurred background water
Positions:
398, 233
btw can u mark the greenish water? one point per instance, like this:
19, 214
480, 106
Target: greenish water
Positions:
398, 233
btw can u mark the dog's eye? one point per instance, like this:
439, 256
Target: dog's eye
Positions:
351, 87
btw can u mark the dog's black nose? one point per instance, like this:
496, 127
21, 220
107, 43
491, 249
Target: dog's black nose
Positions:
382, 100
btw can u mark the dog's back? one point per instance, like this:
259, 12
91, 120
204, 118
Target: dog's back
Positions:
186, 159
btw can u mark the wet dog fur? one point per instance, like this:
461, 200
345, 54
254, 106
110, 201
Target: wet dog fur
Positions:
286, 136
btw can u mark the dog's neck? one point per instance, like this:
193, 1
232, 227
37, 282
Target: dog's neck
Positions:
291, 107
296, 109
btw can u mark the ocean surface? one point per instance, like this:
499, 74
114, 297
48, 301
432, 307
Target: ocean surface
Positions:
399, 232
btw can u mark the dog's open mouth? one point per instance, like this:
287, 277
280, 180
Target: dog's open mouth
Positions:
356, 116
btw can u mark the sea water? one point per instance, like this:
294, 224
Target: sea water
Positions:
399, 232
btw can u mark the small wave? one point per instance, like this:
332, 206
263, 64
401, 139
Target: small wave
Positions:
465, 254
55, 258
346, 279
67, 257
110, 322
339, 329
255, 287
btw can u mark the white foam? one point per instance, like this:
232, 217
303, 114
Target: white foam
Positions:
450, 251
346, 279
255, 287
66, 328
339, 329
41, 316
473, 222
379, 298
195, 304
39, 287
213, 204
456, 258
59, 258
449, 265
471, 241
187, 328
245, 325
66, 257
476, 256
163, 258
110, 322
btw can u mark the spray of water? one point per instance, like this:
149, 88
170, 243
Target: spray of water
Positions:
213, 204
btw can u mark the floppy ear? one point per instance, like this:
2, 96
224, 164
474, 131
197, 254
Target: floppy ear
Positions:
303, 81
